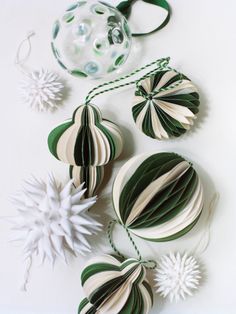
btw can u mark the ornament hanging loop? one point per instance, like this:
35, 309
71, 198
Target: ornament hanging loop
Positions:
204, 240
159, 64
20, 61
149, 264
125, 8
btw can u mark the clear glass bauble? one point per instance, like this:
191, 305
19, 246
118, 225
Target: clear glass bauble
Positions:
91, 39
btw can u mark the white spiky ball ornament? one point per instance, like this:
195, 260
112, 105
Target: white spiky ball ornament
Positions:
41, 90
177, 276
53, 219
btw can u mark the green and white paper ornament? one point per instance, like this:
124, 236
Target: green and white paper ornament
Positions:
115, 286
88, 141
165, 105
158, 197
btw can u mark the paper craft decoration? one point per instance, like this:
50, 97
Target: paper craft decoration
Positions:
165, 105
116, 286
42, 89
92, 177
91, 39
158, 197
87, 140
53, 219
177, 276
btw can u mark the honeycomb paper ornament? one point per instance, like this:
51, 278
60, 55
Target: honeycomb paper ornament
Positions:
165, 105
53, 219
87, 139
87, 142
158, 197
177, 276
115, 286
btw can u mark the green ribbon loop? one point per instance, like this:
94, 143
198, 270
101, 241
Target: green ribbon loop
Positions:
125, 8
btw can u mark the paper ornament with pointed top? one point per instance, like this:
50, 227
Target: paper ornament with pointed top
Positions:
87, 142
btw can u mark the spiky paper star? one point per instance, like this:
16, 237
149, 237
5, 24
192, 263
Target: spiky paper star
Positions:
53, 219
177, 276
41, 90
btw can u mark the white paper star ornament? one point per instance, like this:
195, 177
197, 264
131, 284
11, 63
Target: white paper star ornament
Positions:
53, 219
41, 90
177, 276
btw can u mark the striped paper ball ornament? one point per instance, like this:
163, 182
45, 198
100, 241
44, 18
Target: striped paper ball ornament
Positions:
158, 197
165, 105
115, 286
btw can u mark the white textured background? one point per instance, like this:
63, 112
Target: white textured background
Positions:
200, 38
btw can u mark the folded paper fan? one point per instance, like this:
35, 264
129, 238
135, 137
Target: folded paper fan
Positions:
165, 105
158, 197
87, 139
92, 177
113, 286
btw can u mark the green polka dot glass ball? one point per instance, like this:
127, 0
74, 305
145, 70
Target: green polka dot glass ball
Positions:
91, 39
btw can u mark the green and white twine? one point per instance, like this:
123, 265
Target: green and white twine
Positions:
161, 64
149, 264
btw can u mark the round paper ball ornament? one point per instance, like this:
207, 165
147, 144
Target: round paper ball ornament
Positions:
158, 197
165, 105
91, 39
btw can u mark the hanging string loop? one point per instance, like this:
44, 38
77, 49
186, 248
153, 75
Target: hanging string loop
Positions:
204, 240
19, 59
158, 64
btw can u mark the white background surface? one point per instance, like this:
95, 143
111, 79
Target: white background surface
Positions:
200, 38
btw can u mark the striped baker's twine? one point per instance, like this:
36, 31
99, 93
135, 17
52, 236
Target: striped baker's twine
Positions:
149, 264
160, 63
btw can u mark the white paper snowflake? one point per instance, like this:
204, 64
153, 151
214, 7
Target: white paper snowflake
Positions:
41, 90
177, 276
53, 219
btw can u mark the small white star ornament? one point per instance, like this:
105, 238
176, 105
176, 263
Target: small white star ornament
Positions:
53, 219
177, 276
42, 90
